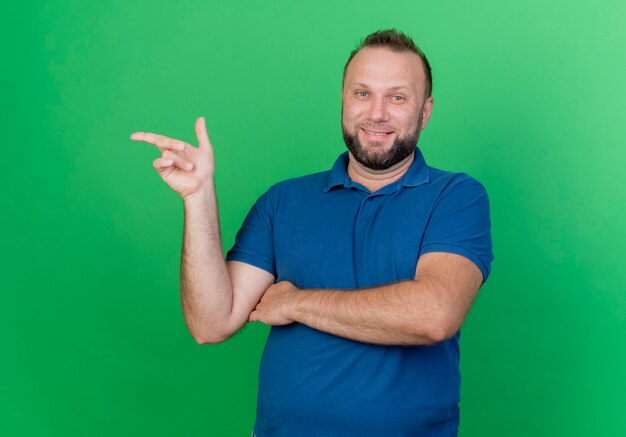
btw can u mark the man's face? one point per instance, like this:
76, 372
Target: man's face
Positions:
383, 106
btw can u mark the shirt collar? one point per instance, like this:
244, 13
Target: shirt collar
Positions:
417, 173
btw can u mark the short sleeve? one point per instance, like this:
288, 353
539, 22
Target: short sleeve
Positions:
254, 242
460, 224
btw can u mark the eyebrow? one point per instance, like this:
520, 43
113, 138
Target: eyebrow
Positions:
394, 88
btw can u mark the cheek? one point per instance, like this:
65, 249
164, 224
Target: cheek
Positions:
352, 112
407, 120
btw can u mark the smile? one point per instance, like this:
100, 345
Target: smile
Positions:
375, 133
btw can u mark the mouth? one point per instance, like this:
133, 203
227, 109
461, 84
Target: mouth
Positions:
376, 135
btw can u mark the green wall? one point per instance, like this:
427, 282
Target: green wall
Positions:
529, 99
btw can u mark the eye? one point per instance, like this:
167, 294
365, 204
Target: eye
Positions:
397, 98
361, 93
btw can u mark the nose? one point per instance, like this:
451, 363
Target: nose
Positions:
378, 110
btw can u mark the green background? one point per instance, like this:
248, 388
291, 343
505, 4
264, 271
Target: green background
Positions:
529, 99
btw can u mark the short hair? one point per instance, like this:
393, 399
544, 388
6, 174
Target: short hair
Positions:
396, 41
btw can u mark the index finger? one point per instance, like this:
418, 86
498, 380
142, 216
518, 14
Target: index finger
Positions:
146, 137
161, 141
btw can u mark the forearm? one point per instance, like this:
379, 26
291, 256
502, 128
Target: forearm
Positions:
205, 287
423, 311
403, 313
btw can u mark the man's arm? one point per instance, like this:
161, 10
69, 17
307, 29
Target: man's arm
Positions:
216, 298
423, 311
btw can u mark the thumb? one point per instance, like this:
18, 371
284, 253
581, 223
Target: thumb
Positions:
201, 133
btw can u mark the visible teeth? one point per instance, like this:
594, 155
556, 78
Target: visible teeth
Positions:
377, 133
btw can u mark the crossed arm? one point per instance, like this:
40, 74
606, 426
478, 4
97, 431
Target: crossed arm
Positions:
423, 311
426, 310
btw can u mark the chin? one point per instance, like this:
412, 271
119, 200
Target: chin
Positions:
375, 150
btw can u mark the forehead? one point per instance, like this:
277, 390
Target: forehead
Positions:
379, 66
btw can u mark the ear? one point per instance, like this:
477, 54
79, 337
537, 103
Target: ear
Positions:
427, 110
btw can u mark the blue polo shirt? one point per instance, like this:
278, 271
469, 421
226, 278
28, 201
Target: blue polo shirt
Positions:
326, 231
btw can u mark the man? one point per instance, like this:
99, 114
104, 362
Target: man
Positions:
365, 272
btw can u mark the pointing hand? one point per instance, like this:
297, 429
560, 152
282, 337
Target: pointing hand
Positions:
185, 168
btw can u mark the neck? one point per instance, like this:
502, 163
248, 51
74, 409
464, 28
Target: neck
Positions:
374, 180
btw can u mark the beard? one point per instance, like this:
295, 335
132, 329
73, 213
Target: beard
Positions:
400, 149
